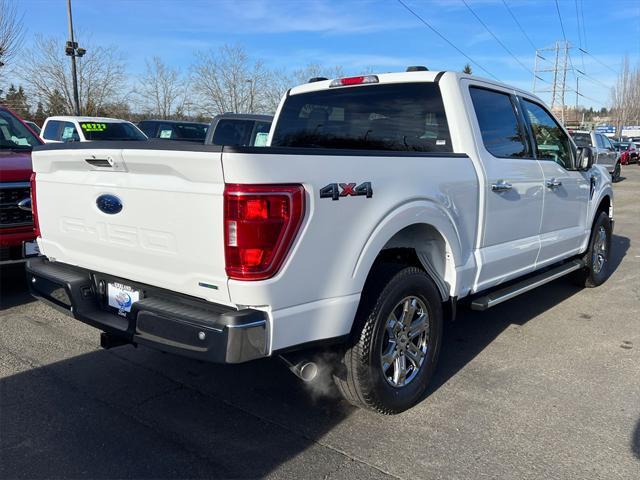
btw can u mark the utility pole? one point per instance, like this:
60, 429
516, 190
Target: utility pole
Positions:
251, 93
72, 50
577, 90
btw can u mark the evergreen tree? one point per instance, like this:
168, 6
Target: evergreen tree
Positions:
467, 69
16, 100
40, 115
56, 104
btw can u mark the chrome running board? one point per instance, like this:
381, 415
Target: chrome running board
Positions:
498, 296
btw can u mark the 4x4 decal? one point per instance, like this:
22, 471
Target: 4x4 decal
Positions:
336, 190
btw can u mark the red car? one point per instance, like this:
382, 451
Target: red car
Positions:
628, 152
17, 231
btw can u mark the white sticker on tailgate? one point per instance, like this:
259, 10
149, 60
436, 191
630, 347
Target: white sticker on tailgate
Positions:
122, 296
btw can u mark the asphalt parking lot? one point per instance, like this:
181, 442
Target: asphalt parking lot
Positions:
545, 386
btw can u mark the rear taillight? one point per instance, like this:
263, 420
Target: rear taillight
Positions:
34, 205
260, 224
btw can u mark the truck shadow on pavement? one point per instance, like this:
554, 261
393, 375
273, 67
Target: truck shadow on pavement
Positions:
139, 413
143, 414
473, 331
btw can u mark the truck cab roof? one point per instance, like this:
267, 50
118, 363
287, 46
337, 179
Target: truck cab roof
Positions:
409, 77
72, 118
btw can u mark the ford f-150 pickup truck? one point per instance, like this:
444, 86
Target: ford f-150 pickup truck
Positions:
379, 203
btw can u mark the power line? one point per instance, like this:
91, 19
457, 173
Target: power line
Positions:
594, 80
564, 36
433, 29
579, 32
600, 62
518, 24
496, 38
560, 18
584, 29
573, 69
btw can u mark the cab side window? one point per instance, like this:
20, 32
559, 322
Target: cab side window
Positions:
52, 130
552, 143
501, 133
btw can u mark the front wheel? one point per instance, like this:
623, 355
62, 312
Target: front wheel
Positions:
596, 259
395, 345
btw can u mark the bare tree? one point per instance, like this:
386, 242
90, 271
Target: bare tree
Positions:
279, 81
11, 31
161, 92
625, 96
101, 74
226, 80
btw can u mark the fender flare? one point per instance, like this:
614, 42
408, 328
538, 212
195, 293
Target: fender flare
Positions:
415, 212
607, 191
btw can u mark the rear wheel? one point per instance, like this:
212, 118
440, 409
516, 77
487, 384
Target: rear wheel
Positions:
596, 259
395, 344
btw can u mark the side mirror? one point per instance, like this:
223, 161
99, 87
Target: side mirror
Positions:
585, 158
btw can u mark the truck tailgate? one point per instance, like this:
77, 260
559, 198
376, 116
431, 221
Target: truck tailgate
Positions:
169, 231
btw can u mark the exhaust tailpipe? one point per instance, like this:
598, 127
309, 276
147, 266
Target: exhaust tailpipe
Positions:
303, 369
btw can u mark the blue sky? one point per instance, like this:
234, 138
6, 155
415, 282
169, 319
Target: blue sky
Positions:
358, 34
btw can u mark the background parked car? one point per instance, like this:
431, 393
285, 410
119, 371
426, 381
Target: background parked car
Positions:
17, 233
628, 152
606, 154
239, 129
87, 129
33, 126
174, 130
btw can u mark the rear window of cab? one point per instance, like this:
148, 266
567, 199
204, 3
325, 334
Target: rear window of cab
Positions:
397, 117
582, 139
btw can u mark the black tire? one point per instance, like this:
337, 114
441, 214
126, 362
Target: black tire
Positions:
361, 378
595, 273
615, 176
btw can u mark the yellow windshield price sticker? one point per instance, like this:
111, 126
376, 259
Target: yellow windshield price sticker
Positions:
94, 127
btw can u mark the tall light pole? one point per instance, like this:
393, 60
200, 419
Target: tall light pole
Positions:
250, 82
71, 49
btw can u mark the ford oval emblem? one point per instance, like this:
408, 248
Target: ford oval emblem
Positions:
109, 204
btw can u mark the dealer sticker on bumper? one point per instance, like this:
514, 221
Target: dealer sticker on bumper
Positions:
122, 297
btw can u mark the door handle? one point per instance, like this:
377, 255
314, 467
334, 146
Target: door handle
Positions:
501, 186
553, 183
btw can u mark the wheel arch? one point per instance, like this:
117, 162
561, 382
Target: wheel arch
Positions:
605, 204
420, 234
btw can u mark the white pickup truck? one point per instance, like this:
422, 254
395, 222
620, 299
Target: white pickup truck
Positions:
380, 202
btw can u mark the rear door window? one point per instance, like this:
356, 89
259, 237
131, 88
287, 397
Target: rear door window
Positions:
399, 117
501, 132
